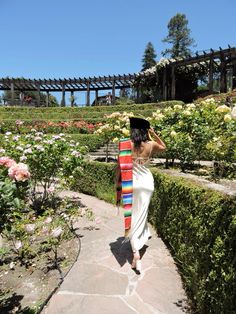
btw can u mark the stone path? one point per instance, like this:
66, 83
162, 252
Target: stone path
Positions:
102, 281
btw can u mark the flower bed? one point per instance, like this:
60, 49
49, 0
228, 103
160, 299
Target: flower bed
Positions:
36, 225
25, 126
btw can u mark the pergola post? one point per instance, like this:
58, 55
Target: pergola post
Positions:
172, 82
12, 94
234, 76
96, 97
113, 93
88, 94
38, 95
72, 99
164, 84
47, 99
63, 100
211, 69
223, 82
21, 98
121, 92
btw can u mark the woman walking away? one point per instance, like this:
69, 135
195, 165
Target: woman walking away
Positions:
137, 183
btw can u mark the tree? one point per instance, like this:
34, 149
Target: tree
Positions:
179, 37
149, 57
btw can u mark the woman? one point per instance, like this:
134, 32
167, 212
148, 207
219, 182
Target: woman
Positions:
144, 143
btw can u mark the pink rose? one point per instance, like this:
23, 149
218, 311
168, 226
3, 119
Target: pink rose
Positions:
51, 189
18, 244
19, 122
45, 230
56, 232
48, 220
19, 172
98, 220
29, 228
7, 162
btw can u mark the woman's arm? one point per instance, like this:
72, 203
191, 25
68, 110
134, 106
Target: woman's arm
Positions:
159, 145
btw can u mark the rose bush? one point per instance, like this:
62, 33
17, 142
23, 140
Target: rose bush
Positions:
189, 131
42, 158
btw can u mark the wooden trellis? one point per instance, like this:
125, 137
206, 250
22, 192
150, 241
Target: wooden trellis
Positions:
68, 85
223, 58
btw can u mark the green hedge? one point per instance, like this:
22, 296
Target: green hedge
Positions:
55, 116
65, 110
92, 141
97, 180
67, 113
198, 223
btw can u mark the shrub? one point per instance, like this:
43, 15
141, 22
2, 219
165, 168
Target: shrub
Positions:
91, 141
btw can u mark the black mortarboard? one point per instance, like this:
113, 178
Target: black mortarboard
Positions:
139, 123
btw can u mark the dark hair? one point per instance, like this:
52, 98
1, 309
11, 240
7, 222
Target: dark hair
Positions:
138, 135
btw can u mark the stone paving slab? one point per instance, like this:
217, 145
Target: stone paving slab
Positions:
102, 281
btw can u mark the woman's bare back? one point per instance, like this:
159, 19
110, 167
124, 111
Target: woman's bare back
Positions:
144, 152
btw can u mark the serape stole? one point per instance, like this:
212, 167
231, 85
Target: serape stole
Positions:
125, 183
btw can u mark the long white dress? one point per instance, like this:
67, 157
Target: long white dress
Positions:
143, 187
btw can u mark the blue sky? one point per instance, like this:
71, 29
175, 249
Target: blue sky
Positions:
73, 38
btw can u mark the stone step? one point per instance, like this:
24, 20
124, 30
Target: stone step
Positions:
101, 154
104, 152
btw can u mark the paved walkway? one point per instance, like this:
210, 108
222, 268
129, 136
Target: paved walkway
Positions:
102, 281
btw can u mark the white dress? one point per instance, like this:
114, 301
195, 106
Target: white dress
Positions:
143, 187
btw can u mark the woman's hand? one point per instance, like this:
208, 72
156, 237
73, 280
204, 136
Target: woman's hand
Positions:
159, 145
151, 134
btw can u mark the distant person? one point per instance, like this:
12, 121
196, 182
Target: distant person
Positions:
228, 101
108, 99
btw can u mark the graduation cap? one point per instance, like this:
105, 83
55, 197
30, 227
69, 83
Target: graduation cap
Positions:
139, 123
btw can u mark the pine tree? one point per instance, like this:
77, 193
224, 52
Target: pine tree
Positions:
149, 57
179, 37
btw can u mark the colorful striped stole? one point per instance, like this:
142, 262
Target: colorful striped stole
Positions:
125, 183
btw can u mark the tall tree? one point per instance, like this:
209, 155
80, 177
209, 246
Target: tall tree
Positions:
149, 57
179, 37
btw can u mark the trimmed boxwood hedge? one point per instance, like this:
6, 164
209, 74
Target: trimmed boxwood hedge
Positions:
69, 110
55, 116
92, 141
199, 224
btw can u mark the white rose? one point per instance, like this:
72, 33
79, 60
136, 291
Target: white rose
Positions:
233, 113
223, 108
178, 107
125, 131
23, 158
227, 118
115, 140
187, 112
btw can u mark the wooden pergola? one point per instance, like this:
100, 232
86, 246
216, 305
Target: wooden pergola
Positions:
224, 59
68, 85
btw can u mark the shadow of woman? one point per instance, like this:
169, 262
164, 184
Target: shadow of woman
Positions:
122, 251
